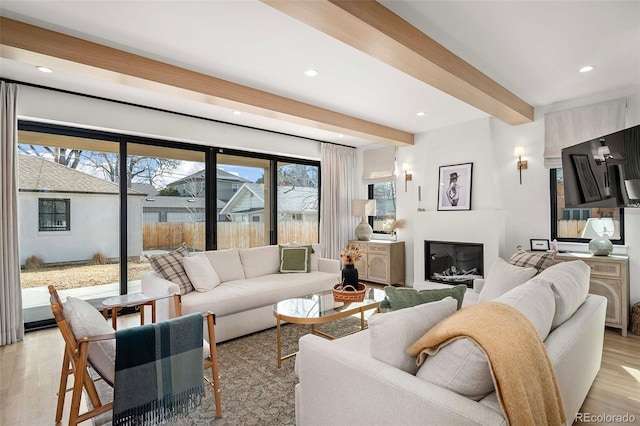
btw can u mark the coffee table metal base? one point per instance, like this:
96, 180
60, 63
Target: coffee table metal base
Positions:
316, 321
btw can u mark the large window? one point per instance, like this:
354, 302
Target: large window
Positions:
582, 224
119, 199
54, 214
385, 195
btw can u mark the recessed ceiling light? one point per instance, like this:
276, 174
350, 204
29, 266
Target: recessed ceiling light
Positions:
421, 114
340, 135
587, 68
44, 69
311, 73
236, 113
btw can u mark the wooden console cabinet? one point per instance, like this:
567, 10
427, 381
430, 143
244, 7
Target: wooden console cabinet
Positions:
609, 278
382, 262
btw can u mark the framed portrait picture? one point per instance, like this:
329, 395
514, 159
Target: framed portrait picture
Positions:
539, 245
454, 189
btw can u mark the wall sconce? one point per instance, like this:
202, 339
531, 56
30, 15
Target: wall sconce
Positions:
522, 164
407, 176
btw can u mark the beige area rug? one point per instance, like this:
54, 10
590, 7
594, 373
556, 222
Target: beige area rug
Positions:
253, 390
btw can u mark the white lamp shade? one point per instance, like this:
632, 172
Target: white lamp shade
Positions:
518, 151
596, 228
363, 207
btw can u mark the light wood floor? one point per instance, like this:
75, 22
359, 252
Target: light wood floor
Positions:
30, 373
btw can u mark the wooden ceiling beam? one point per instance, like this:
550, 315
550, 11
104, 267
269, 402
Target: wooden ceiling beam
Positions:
375, 30
38, 46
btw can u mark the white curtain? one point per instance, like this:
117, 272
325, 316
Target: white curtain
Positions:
11, 324
337, 225
379, 165
572, 126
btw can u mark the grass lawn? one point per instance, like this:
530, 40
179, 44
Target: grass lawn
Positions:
76, 276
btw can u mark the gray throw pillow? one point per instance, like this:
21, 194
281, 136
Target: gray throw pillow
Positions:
399, 298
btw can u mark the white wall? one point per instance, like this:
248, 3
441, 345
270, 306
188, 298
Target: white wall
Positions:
51, 106
94, 225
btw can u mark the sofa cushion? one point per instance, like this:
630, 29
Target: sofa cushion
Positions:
537, 260
570, 285
294, 259
85, 320
169, 266
400, 298
227, 264
535, 299
462, 365
502, 277
393, 332
200, 272
258, 261
242, 295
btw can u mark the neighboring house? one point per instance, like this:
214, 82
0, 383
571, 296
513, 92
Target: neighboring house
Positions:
67, 215
193, 185
174, 209
294, 204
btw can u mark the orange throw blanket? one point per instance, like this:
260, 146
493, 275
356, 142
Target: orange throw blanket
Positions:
523, 375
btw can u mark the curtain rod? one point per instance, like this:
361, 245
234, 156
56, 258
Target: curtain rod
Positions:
38, 86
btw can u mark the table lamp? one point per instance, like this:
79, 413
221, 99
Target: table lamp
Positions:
364, 209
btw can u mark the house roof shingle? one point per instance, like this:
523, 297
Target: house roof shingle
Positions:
40, 175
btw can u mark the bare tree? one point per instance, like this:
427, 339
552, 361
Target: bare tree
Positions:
140, 169
65, 156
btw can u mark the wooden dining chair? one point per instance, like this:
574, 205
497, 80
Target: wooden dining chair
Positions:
97, 351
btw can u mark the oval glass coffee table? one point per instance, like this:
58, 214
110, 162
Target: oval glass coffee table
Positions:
320, 308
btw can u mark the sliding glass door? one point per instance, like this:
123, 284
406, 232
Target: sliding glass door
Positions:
69, 220
243, 201
165, 204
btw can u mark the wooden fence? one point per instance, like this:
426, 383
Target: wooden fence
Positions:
574, 228
170, 235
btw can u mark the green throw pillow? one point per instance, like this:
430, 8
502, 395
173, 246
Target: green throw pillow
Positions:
293, 245
399, 298
294, 259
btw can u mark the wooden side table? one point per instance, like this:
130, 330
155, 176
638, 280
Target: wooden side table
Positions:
116, 303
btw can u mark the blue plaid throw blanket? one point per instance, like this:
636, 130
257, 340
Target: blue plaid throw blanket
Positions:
159, 371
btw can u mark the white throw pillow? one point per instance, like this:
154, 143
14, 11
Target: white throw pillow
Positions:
535, 299
570, 285
503, 277
200, 272
393, 332
259, 261
85, 320
460, 366
227, 264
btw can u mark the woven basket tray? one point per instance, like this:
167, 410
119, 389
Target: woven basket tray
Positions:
635, 319
340, 295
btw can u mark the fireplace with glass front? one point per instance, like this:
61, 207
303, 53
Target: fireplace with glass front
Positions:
453, 262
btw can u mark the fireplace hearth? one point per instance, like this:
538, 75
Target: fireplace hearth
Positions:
453, 262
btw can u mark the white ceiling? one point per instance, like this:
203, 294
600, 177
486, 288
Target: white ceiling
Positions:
532, 48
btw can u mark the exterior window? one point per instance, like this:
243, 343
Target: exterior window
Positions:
385, 195
579, 224
54, 214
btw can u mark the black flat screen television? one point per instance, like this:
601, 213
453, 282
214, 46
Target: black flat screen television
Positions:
603, 172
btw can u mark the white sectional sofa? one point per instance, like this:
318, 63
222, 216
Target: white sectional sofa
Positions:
359, 389
250, 284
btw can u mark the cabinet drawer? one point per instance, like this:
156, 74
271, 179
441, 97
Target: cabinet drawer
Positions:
377, 249
605, 269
